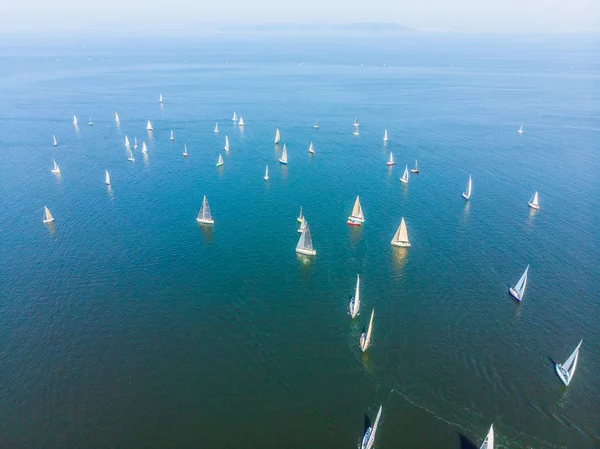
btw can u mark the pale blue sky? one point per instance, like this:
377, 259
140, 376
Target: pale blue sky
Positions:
191, 16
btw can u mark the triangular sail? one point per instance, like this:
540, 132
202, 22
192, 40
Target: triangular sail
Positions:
467, 194
216, 127
311, 148
172, 135
54, 141
277, 136
385, 136
267, 173
116, 117
305, 241
135, 145
520, 287
391, 158
241, 122
570, 362
405, 174
205, 210
126, 141
75, 120
374, 431
107, 178
284, 157
55, 169
220, 161
356, 303
488, 443
534, 199
367, 341
416, 165
402, 231
160, 100
226, 143
47, 215
130, 155
234, 118
357, 211
149, 126
144, 148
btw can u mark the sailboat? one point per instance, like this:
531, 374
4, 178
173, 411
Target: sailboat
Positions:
305, 245
185, 154
144, 148
391, 161
385, 136
220, 161
518, 290
48, 218
107, 178
267, 173
277, 136
234, 118
284, 159
566, 370
355, 127
160, 98
90, 122
401, 236
357, 217
116, 117
404, 178
467, 195
241, 122
416, 169
355, 300
204, 215
54, 141
149, 126
365, 337
316, 125
135, 145
534, 201
130, 155
126, 142
369, 436
302, 225
520, 130
55, 170
300, 216
488, 443
226, 147
172, 138
75, 120
216, 130
311, 148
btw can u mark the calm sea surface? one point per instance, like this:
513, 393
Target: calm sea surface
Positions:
125, 324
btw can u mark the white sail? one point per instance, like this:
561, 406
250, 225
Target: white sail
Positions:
144, 148
267, 173
277, 136
365, 338
518, 290
160, 99
355, 301
226, 147
54, 141
401, 235
234, 118
467, 195
74, 120
172, 136
55, 170
566, 371
385, 136
520, 130
216, 130
305, 245
357, 212
185, 153
90, 121
302, 225
107, 178
316, 125
135, 145
311, 148
126, 141
130, 155
416, 169
149, 126
534, 201
116, 117
300, 216
404, 178
241, 122
204, 215
220, 161
488, 443
391, 161
284, 159
48, 218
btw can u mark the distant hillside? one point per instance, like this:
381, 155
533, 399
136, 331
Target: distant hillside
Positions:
317, 28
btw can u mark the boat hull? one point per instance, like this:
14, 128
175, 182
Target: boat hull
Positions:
205, 221
416, 172
533, 206
56, 172
185, 155
389, 164
561, 376
404, 181
352, 221
512, 292
401, 244
266, 178
48, 221
282, 162
465, 196
306, 252
219, 165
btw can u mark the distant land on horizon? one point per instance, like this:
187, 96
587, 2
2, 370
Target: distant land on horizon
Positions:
368, 27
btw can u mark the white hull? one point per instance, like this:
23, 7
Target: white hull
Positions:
404, 181
565, 380
48, 221
282, 162
465, 196
401, 244
307, 252
512, 292
533, 206
205, 220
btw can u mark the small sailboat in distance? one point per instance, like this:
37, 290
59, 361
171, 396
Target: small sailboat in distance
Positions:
48, 218
404, 178
234, 118
356, 218
385, 136
172, 137
55, 169
401, 236
368, 439
90, 121
534, 201
566, 371
311, 148
135, 145
185, 154
160, 99
204, 215
75, 120
518, 290
416, 169
144, 148
266, 173
130, 155
107, 178
54, 141
241, 122
391, 161
283, 159
365, 337
520, 130
316, 125
300, 216
216, 130
467, 195
302, 225
126, 142
488, 443
355, 127
226, 147
220, 161
149, 126
305, 245
116, 117
277, 137
355, 300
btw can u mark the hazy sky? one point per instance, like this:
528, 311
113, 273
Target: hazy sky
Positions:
191, 16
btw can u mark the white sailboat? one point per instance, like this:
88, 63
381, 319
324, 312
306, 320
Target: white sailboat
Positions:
216, 130
160, 99
401, 236
234, 118
369, 436
130, 155
365, 337
356, 218
534, 202
48, 218
241, 122
90, 121
518, 290
385, 136
302, 225
75, 120
267, 173
220, 161
117, 118
488, 443
305, 245
277, 136
149, 126
316, 125
172, 137
284, 159
144, 148
107, 178
54, 141
55, 169
355, 300
566, 370
416, 169
135, 145
467, 195
126, 142
311, 148
299, 219
355, 127
185, 153
404, 178
204, 215
226, 147
391, 161
520, 130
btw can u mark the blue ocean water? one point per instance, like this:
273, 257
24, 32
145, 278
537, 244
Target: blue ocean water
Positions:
126, 324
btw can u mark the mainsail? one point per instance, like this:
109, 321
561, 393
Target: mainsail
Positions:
488, 443
519, 289
305, 241
204, 213
357, 212
401, 235
277, 136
